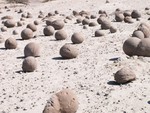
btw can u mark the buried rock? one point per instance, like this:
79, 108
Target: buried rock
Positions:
64, 101
124, 75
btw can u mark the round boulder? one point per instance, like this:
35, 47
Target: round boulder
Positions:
77, 38
11, 43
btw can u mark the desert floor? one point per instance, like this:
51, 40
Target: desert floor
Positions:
90, 75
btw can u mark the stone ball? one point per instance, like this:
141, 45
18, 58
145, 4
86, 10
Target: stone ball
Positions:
15, 32
135, 14
19, 23
77, 38
32, 49
119, 17
58, 24
11, 43
29, 64
92, 24
106, 24
4, 29
145, 29
127, 13
27, 34
124, 75
68, 101
79, 20
36, 22
32, 27
85, 21
113, 29
139, 34
128, 19
61, 35
49, 21
68, 51
130, 46
10, 23
48, 31
99, 33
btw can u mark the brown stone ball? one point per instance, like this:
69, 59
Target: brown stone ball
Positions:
85, 21
29, 64
4, 29
27, 34
58, 24
124, 75
92, 24
32, 49
68, 101
36, 22
61, 35
10, 23
106, 24
77, 38
48, 31
130, 46
135, 14
113, 29
32, 27
139, 34
11, 43
128, 19
145, 29
99, 33
119, 17
68, 51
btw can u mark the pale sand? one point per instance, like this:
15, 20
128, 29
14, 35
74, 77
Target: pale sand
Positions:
90, 74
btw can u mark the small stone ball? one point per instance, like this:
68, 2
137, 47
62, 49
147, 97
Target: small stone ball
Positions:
36, 22
68, 51
145, 29
61, 35
130, 46
92, 24
29, 64
10, 23
19, 23
58, 24
127, 13
79, 20
41, 16
101, 19
32, 49
11, 43
4, 29
99, 33
128, 19
68, 101
93, 16
119, 17
113, 29
139, 34
77, 38
27, 34
32, 27
24, 15
135, 14
143, 48
48, 31
29, 15
15, 32
85, 21
124, 75
75, 13
49, 21
106, 24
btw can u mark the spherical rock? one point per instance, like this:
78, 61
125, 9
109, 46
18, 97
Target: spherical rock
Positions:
29, 64
61, 35
85, 21
27, 34
79, 20
106, 24
119, 17
77, 38
130, 46
91, 24
11, 43
10, 23
101, 19
68, 101
124, 75
143, 48
48, 31
128, 19
99, 33
68, 51
15, 32
49, 21
127, 13
139, 34
4, 28
135, 14
113, 29
32, 27
36, 22
19, 23
93, 16
32, 49
145, 29
58, 24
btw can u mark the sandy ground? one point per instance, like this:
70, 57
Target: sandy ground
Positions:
90, 75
